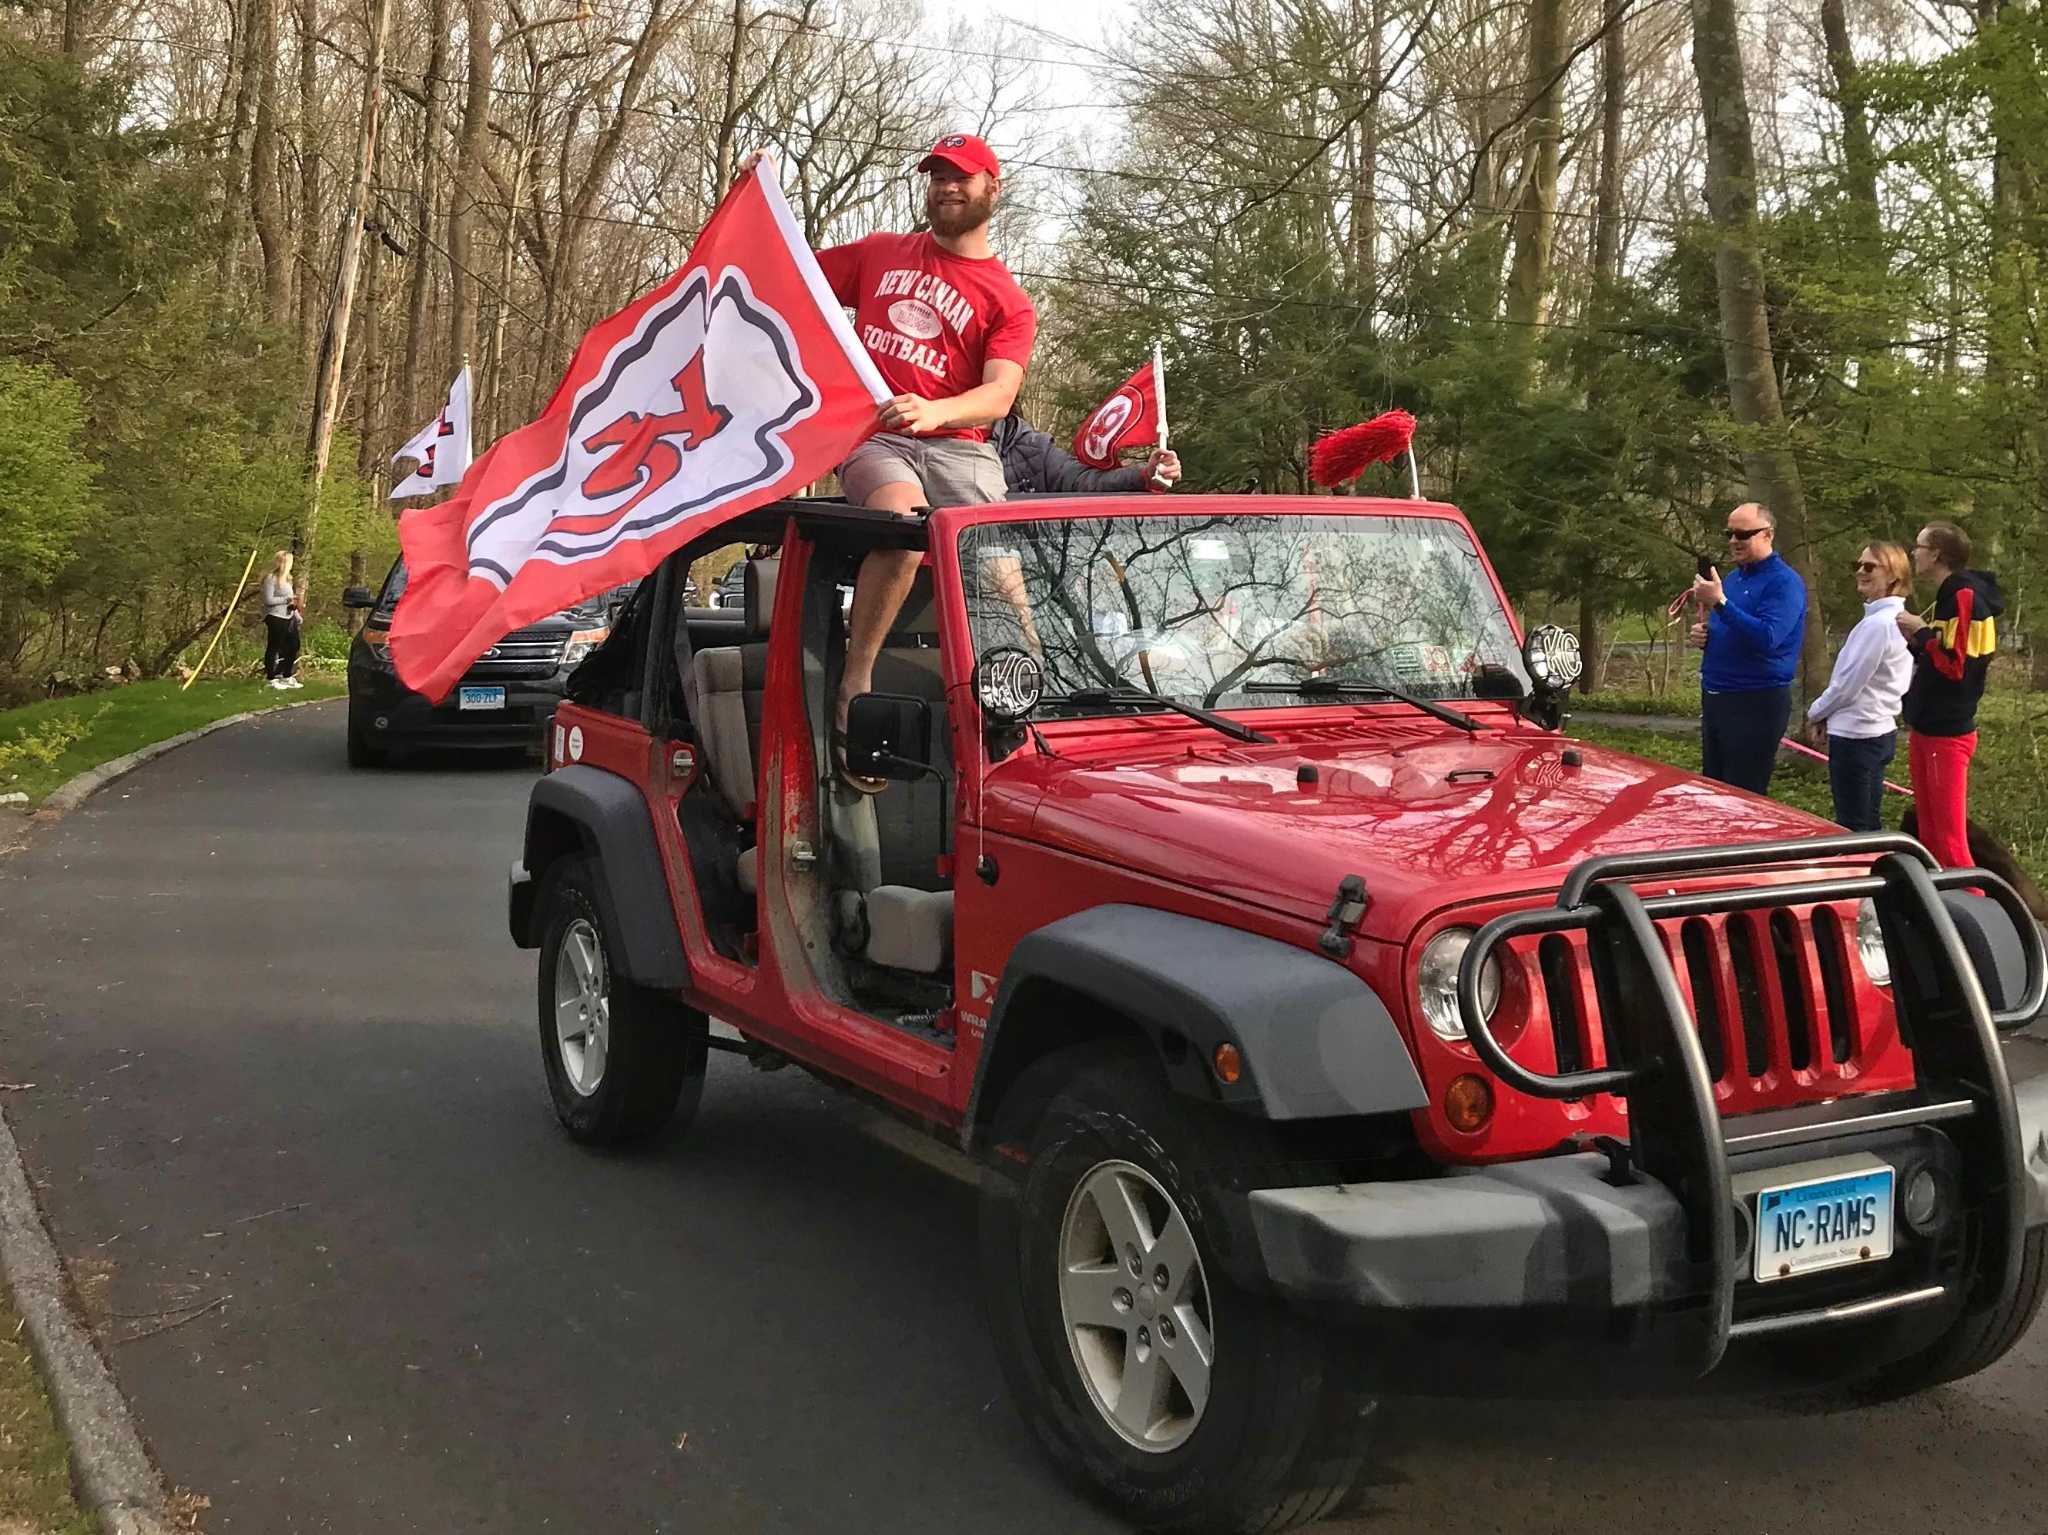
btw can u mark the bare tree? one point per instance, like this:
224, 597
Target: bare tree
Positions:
1753, 395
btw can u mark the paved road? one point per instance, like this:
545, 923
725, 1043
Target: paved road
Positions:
284, 1058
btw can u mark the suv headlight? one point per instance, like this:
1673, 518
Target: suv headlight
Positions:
1870, 945
1436, 983
581, 643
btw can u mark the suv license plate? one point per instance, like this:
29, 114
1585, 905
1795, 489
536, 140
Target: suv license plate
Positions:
479, 698
1823, 1223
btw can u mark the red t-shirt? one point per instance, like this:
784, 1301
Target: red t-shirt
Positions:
930, 319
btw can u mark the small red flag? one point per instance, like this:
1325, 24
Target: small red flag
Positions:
1127, 419
736, 381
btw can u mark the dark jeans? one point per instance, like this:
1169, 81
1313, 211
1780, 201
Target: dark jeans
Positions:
1856, 774
1739, 735
281, 647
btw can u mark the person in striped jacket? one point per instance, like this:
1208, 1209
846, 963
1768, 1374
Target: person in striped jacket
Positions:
1951, 655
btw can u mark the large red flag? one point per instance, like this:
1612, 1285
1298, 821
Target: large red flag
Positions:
1127, 419
736, 381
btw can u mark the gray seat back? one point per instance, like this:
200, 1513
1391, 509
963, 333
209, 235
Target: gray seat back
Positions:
729, 686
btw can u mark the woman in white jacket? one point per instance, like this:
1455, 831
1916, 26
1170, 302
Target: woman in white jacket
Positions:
1859, 711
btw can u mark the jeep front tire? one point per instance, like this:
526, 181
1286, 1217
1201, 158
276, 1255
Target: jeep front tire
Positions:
1181, 1399
622, 1062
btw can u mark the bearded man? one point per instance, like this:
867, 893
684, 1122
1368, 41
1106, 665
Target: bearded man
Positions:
951, 333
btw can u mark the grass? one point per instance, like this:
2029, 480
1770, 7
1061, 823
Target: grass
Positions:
2008, 778
35, 1463
43, 744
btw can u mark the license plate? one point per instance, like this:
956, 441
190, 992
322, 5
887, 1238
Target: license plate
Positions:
479, 698
1823, 1223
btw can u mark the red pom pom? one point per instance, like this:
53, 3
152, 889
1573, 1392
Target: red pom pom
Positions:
1345, 455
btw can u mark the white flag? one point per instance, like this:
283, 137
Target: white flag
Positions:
442, 446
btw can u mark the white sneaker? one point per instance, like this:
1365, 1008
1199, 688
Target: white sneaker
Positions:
278, 684
293, 682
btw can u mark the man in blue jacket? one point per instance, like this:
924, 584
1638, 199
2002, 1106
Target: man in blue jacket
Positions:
1750, 629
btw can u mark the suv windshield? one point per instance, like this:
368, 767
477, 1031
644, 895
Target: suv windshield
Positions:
1204, 609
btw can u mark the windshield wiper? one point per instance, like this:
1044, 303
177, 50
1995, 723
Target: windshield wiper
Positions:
1228, 726
1337, 687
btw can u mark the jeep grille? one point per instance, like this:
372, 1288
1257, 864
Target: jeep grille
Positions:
1783, 1012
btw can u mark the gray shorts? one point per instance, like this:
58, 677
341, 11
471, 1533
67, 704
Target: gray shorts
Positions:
951, 471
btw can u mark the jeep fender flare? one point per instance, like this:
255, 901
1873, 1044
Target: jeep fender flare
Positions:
585, 809
1316, 1041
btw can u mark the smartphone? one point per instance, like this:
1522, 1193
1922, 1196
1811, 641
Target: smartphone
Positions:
1703, 567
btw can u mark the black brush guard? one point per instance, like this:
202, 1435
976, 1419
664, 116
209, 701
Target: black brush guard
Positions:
1656, 1061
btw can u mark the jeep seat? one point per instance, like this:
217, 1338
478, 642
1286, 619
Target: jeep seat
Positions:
910, 929
911, 816
729, 684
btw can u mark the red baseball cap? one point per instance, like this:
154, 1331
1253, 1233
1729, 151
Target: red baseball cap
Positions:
964, 152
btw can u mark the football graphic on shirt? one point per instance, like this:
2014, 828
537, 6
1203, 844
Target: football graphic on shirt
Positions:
912, 317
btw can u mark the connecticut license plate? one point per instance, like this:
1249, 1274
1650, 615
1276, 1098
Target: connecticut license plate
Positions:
1823, 1223
479, 698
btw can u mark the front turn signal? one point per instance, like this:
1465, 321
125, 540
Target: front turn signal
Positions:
1468, 1103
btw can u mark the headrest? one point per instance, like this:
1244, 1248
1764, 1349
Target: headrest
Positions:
760, 595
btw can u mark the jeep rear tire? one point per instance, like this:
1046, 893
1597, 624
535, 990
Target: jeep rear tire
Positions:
1182, 1400
622, 1062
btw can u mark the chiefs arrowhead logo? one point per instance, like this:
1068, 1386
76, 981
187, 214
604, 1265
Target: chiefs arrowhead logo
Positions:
686, 412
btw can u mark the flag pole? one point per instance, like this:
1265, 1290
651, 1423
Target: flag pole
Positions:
1159, 389
230, 613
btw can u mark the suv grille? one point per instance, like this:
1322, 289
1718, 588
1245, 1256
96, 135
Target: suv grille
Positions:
522, 653
1783, 1013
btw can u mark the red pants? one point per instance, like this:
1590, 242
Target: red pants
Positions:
1941, 794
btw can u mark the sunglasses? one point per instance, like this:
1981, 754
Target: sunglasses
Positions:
1865, 567
1744, 535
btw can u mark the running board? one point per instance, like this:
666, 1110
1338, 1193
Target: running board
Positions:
1776, 1128
1847, 1311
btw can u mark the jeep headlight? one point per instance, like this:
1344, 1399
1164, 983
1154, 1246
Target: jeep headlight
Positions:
1870, 945
1436, 983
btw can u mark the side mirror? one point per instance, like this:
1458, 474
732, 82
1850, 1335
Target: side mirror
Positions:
889, 735
358, 597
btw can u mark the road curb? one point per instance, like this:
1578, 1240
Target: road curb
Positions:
116, 1481
73, 792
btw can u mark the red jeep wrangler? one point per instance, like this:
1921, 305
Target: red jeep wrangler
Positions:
1324, 1021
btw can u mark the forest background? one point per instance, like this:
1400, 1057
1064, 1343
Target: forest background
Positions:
1627, 261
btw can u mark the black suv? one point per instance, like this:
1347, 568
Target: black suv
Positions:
504, 700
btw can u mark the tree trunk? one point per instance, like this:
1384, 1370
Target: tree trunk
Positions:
1613, 102
1592, 642
1365, 207
1753, 397
74, 30
236, 167
1536, 216
1859, 155
425, 208
469, 172
310, 222
334, 344
728, 120
263, 170
370, 462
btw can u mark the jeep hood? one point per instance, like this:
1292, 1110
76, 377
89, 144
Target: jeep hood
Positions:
1429, 820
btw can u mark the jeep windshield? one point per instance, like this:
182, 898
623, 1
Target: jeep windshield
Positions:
1239, 610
